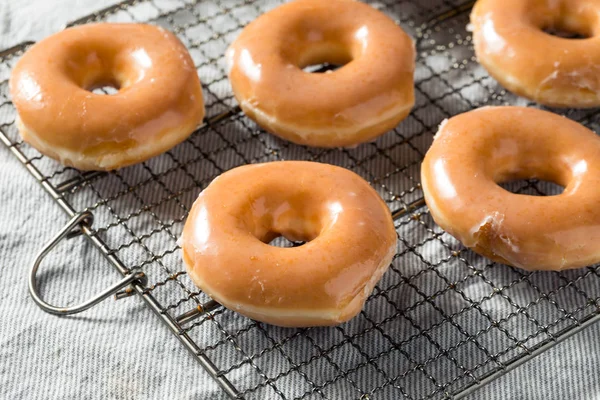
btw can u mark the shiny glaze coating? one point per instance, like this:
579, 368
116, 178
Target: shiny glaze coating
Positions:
475, 150
159, 102
511, 44
349, 232
365, 98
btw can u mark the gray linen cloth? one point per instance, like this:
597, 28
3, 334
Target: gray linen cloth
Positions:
119, 349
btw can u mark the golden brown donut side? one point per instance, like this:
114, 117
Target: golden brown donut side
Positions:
512, 46
348, 228
158, 104
369, 95
475, 150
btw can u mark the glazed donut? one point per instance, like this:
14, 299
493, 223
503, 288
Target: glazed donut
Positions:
368, 96
511, 44
349, 233
158, 103
475, 151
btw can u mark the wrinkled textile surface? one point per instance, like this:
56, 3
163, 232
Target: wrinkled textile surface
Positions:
119, 350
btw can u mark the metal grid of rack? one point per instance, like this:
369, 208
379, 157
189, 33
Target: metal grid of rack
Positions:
442, 322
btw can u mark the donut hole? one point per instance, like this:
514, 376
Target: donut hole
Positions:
286, 218
101, 82
290, 236
524, 168
532, 187
566, 33
106, 89
324, 58
321, 68
567, 24
282, 241
97, 70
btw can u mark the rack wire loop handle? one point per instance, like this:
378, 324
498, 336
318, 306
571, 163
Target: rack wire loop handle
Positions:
74, 227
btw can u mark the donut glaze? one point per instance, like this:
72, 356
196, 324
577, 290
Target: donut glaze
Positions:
474, 151
349, 233
511, 44
368, 96
158, 104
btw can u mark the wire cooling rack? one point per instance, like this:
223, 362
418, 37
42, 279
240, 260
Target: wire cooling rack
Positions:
441, 323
